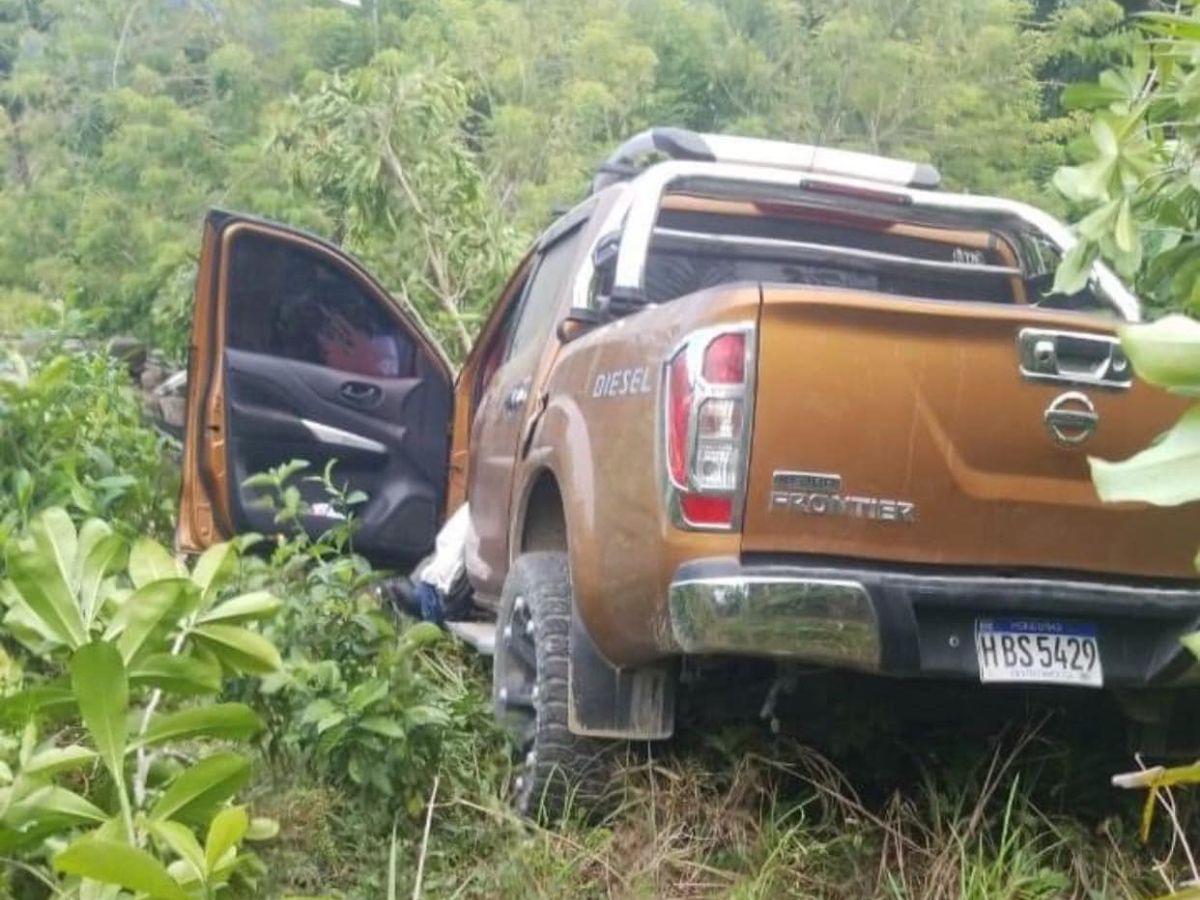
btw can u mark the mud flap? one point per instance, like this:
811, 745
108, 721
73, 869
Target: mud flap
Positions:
633, 704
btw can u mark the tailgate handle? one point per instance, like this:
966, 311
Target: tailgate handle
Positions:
1073, 357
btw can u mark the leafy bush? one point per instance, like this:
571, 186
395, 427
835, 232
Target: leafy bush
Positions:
72, 434
1138, 185
363, 701
108, 763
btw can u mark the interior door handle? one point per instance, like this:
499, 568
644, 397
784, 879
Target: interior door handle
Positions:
361, 394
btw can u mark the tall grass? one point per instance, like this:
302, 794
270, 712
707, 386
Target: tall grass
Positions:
742, 813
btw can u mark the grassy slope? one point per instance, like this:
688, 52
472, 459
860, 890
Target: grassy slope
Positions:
1010, 803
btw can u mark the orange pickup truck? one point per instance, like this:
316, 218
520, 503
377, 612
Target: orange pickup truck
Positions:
747, 399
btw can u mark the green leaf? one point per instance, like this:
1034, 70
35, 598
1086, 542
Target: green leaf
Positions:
213, 569
16, 709
150, 561
1166, 353
243, 608
1085, 183
176, 674
112, 862
1105, 139
181, 840
53, 534
228, 721
102, 559
44, 591
226, 831
389, 728
1090, 95
100, 685
145, 609
198, 789
57, 759
262, 829
1165, 474
1125, 231
241, 650
53, 802
1075, 269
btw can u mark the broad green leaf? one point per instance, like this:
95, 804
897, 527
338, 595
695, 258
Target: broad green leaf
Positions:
100, 554
57, 759
176, 674
241, 650
53, 534
149, 561
100, 685
145, 609
262, 829
1089, 95
213, 569
15, 840
1105, 138
382, 725
243, 608
1075, 269
1125, 231
181, 840
53, 802
113, 862
226, 831
16, 709
1097, 224
198, 789
43, 589
1166, 353
1084, 183
368, 694
228, 721
1180, 27
1165, 474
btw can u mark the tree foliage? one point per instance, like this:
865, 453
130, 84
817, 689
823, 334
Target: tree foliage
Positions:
1137, 188
434, 137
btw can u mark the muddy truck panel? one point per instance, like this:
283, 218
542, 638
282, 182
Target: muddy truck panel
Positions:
913, 431
602, 439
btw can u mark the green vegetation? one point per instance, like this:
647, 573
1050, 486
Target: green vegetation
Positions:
279, 733
434, 137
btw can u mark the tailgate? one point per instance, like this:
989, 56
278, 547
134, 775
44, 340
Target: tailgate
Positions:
904, 430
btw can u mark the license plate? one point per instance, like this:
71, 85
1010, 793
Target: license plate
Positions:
1038, 652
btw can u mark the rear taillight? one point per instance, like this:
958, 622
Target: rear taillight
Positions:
707, 425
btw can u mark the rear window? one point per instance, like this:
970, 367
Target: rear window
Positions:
683, 260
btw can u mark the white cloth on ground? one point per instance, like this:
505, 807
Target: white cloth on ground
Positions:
448, 562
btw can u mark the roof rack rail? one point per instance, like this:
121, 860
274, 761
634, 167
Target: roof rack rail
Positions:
679, 143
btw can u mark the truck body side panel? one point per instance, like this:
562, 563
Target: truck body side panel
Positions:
600, 437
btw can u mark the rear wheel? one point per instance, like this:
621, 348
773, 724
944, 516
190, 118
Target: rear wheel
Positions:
555, 768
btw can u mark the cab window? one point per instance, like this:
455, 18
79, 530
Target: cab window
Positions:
545, 289
293, 303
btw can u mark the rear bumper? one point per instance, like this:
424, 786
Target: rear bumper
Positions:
903, 623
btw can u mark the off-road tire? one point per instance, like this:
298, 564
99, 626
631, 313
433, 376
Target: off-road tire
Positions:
556, 770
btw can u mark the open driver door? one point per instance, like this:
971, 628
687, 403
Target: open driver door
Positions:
297, 353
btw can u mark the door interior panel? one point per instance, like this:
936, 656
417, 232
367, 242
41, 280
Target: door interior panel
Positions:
394, 451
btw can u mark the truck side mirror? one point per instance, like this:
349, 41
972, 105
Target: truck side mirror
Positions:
578, 322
